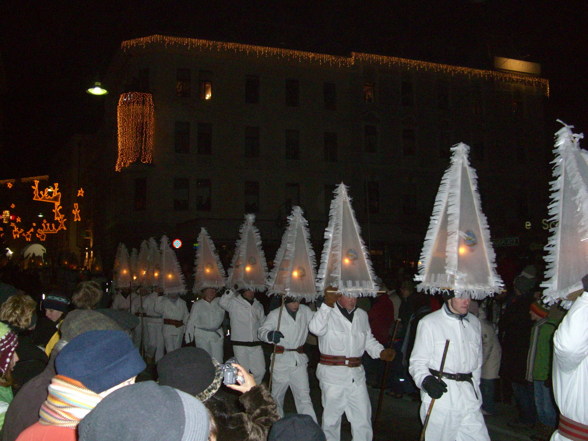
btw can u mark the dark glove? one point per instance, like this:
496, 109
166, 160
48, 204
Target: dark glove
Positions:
275, 336
585, 282
434, 386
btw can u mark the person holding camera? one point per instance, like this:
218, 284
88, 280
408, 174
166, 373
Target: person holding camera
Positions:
291, 363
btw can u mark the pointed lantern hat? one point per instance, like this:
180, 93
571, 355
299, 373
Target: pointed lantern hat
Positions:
134, 265
457, 253
567, 248
154, 263
345, 262
142, 270
293, 273
248, 268
171, 280
122, 268
208, 270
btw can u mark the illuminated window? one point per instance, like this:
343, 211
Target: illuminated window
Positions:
292, 196
204, 139
252, 142
183, 82
408, 142
292, 93
252, 89
369, 92
292, 144
330, 147
182, 137
370, 133
140, 194
406, 93
372, 189
181, 194
205, 78
203, 195
330, 96
251, 197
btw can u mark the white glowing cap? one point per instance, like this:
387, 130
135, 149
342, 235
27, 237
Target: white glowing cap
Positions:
122, 268
208, 270
171, 280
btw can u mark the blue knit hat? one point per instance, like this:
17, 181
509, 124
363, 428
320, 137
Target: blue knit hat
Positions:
100, 359
148, 412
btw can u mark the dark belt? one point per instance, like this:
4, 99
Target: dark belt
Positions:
455, 377
176, 323
246, 343
145, 315
339, 360
282, 349
572, 429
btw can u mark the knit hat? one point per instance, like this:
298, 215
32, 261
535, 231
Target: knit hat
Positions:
296, 427
56, 302
79, 321
539, 308
124, 319
8, 344
191, 370
100, 359
146, 411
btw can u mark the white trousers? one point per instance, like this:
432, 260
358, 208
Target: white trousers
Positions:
454, 424
296, 378
172, 337
211, 342
252, 359
153, 338
354, 401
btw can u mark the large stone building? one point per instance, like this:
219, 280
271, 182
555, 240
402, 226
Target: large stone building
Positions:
198, 133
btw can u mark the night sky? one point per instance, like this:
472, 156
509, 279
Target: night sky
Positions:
51, 51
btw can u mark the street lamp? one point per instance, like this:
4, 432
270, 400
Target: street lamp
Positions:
97, 89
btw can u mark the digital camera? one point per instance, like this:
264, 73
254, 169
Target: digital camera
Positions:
230, 372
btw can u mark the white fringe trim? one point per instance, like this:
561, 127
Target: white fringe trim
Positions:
170, 264
200, 281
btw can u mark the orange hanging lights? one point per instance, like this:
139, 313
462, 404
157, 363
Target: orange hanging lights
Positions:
136, 119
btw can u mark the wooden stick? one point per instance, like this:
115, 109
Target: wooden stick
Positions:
422, 437
274, 352
383, 382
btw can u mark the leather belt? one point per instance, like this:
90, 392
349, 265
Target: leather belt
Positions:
455, 377
145, 315
339, 360
282, 349
572, 429
246, 343
176, 323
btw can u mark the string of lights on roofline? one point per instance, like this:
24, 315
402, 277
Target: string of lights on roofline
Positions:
334, 60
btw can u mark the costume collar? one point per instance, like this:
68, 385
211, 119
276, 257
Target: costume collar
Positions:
347, 314
452, 314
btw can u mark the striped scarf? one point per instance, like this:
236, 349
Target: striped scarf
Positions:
68, 402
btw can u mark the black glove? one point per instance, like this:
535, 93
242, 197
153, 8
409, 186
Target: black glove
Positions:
585, 282
434, 386
275, 336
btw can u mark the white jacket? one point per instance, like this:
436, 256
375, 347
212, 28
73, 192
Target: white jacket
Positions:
170, 309
570, 364
463, 356
246, 318
295, 333
338, 336
206, 316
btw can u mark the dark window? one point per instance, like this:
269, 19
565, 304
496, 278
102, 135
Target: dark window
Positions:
330, 96
371, 138
408, 142
406, 93
292, 144
330, 147
372, 189
442, 95
140, 196
251, 197
292, 196
183, 82
205, 79
369, 90
409, 204
203, 195
292, 93
252, 142
181, 194
252, 89
182, 137
521, 153
204, 139
143, 80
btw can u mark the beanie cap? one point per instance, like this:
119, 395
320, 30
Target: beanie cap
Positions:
56, 302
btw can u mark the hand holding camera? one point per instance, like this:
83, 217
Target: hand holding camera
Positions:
245, 381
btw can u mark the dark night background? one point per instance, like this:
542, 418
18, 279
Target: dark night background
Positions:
51, 51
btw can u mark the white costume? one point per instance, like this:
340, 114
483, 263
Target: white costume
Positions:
343, 387
153, 328
205, 327
246, 318
121, 303
175, 316
290, 365
138, 309
456, 416
570, 371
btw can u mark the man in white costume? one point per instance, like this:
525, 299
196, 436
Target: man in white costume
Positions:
456, 415
290, 365
570, 371
175, 314
344, 334
152, 328
121, 300
204, 326
246, 316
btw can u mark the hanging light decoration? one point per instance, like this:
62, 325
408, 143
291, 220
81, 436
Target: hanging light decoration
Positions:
136, 119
